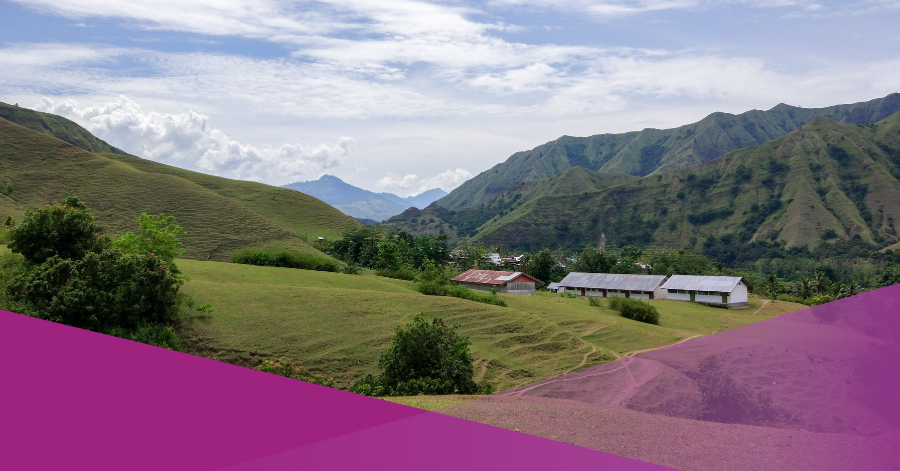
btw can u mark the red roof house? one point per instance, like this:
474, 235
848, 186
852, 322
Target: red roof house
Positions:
511, 282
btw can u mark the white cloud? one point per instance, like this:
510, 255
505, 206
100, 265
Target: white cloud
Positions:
186, 140
413, 185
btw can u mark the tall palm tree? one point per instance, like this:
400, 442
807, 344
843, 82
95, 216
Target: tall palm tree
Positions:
772, 285
821, 283
803, 288
852, 288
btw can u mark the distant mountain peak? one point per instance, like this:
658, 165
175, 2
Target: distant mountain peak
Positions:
363, 204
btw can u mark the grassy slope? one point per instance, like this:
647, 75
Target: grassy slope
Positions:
655, 150
816, 195
219, 215
56, 126
338, 324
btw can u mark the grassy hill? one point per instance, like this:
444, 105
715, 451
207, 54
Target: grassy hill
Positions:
58, 127
219, 215
338, 324
826, 181
653, 151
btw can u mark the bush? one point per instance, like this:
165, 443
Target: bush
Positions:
456, 291
634, 309
285, 259
99, 291
402, 273
289, 369
423, 358
65, 230
594, 301
158, 335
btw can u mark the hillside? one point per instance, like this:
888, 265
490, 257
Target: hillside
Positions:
465, 223
337, 324
823, 182
653, 151
219, 215
58, 127
364, 204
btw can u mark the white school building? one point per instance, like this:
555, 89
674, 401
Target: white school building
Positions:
607, 285
730, 291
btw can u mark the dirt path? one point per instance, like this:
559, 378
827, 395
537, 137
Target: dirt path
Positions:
635, 352
584, 360
765, 301
630, 374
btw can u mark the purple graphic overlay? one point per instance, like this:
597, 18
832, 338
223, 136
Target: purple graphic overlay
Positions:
74, 399
815, 389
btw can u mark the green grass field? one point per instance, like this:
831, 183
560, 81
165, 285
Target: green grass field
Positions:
337, 325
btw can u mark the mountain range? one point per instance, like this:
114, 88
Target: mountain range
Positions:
824, 181
363, 204
654, 151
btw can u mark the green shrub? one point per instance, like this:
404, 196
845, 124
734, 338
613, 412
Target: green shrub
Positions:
289, 369
423, 358
65, 229
285, 259
819, 299
99, 291
158, 335
402, 273
634, 309
456, 291
594, 301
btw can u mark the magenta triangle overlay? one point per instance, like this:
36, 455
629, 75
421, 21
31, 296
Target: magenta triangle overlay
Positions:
74, 399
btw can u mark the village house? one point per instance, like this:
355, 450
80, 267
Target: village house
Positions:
503, 281
607, 285
553, 287
724, 291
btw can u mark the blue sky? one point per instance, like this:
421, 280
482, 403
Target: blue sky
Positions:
405, 95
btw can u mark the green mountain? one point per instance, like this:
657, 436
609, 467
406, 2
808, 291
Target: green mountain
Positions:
219, 215
58, 127
654, 151
822, 182
466, 222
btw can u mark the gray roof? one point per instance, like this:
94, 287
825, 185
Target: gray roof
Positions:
720, 284
612, 281
553, 286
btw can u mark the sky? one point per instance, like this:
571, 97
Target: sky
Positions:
407, 95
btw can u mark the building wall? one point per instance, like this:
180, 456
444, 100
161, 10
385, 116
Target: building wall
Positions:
706, 298
520, 287
660, 293
739, 294
680, 296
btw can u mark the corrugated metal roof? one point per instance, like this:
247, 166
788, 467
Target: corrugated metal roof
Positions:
553, 286
491, 277
612, 281
721, 284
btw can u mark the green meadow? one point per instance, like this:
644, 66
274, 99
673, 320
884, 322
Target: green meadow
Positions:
337, 324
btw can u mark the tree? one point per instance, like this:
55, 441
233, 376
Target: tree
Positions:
803, 288
542, 265
74, 277
891, 276
423, 358
772, 286
595, 260
65, 229
158, 235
